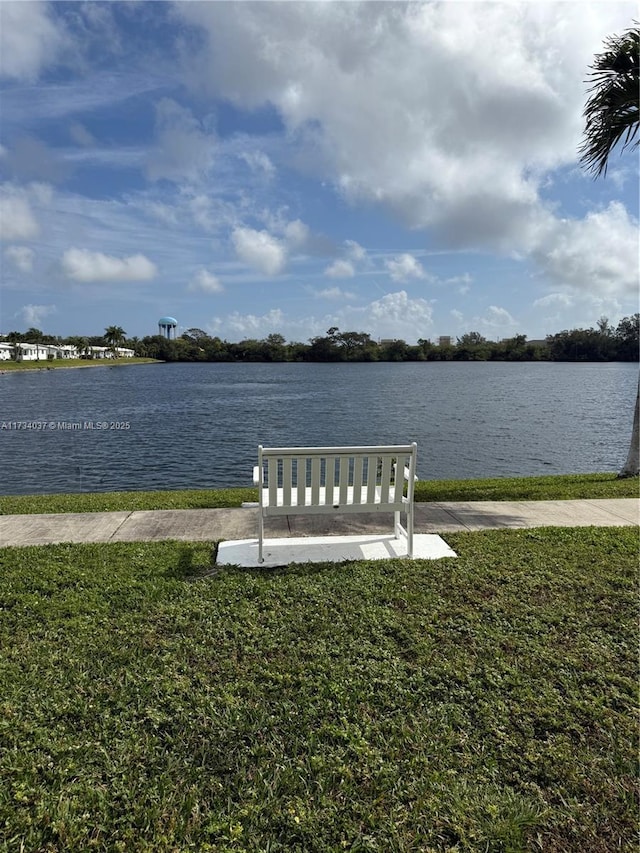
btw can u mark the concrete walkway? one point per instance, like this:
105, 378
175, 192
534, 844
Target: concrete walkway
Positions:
202, 525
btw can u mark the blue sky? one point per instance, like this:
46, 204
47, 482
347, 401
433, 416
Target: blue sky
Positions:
406, 170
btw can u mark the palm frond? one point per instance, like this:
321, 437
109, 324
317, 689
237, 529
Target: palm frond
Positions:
612, 110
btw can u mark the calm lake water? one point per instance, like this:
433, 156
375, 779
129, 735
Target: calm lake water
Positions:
198, 425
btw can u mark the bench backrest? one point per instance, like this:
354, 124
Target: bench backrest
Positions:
365, 476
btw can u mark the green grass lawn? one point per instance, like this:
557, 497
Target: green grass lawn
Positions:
149, 702
518, 488
56, 363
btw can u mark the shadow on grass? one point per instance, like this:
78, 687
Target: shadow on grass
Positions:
344, 568
195, 563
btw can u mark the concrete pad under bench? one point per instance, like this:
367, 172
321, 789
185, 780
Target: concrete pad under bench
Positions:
329, 549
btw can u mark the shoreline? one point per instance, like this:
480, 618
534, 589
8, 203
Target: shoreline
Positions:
103, 362
555, 487
13, 367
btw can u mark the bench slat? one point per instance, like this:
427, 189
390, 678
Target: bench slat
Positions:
398, 476
329, 476
286, 480
272, 474
315, 480
385, 478
301, 477
329, 508
357, 479
343, 479
364, 450
372, 472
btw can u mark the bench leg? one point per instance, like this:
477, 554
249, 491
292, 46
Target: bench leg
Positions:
410, 530
396, 525
260, 536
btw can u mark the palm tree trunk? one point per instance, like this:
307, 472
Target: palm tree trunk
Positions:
631, 467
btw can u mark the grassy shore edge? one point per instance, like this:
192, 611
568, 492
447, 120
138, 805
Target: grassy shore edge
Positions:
557, 487
69, 363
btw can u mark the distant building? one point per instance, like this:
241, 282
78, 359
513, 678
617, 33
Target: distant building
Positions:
167, 326
444, 341
61, 351
31, 352
111, 352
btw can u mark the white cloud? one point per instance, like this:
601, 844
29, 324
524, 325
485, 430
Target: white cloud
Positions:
99, 29
293, 233
29, 39
574, 309
461, 283
296, 234
258, 161
161, 212
457, 315
17, 221
33, 315
403, 267
464, 153
21, 257
42, 194
211, 213
205, 282
334, 293
239, 326
259, 250
354, 250
86, 266
552, 299
340, 269
598, 254
345, 267
394, 315
496, 319
184, 150
464, 279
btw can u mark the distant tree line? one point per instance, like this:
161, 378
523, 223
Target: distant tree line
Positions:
604, 343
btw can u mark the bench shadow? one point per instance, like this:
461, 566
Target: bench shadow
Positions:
189, 568
439, 518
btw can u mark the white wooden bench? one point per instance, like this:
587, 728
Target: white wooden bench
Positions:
336, 480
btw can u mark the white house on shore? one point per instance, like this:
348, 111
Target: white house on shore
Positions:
108, 352
46, 352
62, 350
31, 352
43, 352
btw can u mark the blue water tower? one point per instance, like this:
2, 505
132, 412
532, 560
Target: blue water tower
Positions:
167, 325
